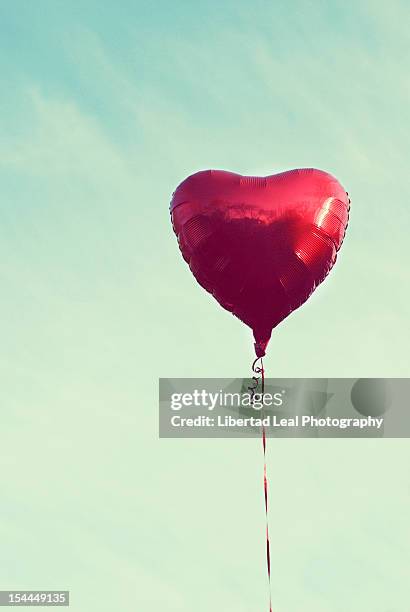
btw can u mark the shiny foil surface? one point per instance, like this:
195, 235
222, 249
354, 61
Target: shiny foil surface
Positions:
260, 245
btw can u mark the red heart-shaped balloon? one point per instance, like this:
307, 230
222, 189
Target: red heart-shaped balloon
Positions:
260, 245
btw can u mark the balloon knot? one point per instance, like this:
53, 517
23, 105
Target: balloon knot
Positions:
260, 348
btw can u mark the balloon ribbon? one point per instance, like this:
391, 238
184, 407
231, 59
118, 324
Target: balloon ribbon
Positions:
260, 370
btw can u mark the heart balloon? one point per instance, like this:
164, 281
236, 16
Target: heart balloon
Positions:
260, 245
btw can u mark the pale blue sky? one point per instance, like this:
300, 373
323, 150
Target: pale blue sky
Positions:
105, 109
